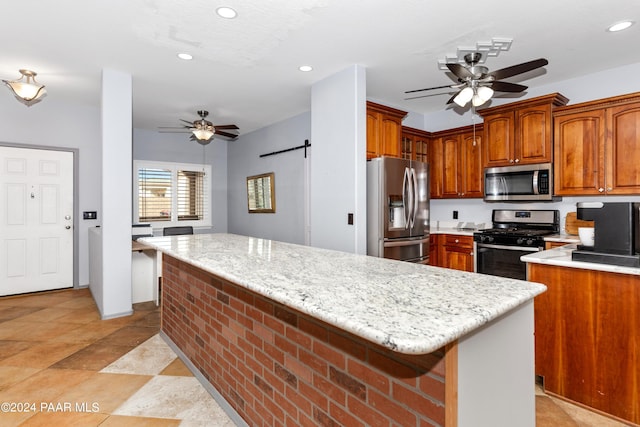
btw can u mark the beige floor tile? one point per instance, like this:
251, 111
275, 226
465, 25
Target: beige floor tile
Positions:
173, 397
44, 386
93, 357
89, 332
149, 358
47, 315
108, 391
177, 368
12, 375
124, 421
42, 355
584, 417
81, 315
10, 347
67, 419
34, 331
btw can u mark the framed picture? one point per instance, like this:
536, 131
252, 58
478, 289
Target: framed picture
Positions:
261, 194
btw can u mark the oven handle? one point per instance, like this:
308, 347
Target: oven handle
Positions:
509, 248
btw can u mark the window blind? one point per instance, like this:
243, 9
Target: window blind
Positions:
154, 194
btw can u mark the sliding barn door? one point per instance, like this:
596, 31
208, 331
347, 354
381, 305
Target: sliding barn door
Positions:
36, 220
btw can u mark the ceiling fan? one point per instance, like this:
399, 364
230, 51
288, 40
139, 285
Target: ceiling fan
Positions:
477, 84
202, 130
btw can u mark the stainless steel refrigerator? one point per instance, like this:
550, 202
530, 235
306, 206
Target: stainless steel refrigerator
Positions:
398, 209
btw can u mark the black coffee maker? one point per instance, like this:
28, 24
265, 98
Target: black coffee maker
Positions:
617, 233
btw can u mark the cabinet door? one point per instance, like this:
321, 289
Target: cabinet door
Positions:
373, 134
421, 150
451, 181
498, 137
471, 165
579, 160
622, 150
436, 168
390, 134
458, 255
434, 247
533, 136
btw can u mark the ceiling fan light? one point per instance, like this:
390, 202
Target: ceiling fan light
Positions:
485, 93
202, 134
28, 91
464, 96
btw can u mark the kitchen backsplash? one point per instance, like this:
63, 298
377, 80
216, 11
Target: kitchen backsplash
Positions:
479, 211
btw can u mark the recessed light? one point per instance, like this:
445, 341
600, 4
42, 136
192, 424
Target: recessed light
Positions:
619, 26
305, 68
226, 12
185, 56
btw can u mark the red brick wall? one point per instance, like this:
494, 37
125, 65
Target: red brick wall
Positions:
279, 367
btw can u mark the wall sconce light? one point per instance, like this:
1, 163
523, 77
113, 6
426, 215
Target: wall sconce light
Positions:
27, 91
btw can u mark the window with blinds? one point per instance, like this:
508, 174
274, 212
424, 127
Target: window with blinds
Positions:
172, 194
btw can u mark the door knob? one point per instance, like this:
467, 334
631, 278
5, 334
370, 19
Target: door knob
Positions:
67, 227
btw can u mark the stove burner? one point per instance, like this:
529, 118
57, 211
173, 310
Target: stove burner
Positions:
520, 232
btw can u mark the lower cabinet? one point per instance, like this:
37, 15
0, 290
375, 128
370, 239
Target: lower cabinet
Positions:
455, 251
587, 337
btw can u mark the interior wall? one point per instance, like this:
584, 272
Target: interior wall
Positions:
287, 223
54, 123
338, 162
172, 147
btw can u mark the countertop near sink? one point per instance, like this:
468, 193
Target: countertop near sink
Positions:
561, 256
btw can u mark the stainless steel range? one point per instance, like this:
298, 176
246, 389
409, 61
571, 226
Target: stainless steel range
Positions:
515, 233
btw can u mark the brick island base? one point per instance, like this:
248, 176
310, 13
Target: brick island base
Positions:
276, 366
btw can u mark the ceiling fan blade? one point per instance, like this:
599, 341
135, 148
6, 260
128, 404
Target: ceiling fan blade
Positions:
226, 127
227, 134
173, 131
507, 87
503, 73
187, 122
450, 101
460, 71
428, 88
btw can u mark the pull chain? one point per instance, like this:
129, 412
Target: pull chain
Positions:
473, 120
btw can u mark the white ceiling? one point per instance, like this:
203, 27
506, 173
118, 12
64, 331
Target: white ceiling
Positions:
245, 71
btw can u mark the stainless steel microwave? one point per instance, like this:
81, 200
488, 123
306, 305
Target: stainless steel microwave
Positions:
519, 183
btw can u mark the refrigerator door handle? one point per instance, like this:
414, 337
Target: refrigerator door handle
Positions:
406, 194
414, 209
408, 242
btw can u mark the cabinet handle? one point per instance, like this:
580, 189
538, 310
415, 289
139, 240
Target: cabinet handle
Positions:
609, 188
471, 253
517, 160
510, 160
457, 240
601, 190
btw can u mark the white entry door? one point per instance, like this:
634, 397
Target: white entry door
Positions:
36, 220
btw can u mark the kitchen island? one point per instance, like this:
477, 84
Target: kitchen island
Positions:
295, 335
587, 332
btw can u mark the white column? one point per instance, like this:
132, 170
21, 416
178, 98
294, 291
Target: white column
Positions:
116, 193
338, 161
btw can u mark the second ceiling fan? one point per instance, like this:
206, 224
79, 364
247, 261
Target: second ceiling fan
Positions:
477, 84
202, 130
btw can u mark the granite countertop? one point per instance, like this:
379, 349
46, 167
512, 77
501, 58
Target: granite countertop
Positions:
409, 308
561, 256
568, 238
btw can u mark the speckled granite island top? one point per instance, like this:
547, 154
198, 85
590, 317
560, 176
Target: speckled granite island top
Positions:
408, 308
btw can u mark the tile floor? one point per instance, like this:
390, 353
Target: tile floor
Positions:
61, 365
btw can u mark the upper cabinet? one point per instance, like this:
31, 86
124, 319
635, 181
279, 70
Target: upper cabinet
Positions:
520, 132
456, 163
415, 144
597, 146
384, 129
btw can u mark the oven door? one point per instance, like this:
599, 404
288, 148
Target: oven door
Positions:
503, 261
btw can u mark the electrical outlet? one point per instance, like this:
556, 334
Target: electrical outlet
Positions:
455, 214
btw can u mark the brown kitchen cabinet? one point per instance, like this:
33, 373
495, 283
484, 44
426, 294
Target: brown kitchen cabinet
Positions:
587, 337
456, 252
434, 248
415, 144
456, 163
520, 132
384, 129
597, 147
